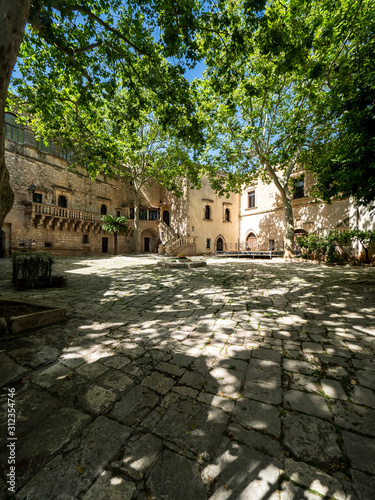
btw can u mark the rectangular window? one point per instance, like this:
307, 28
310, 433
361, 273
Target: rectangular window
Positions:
118, 214
272, 245
208, 243
299, 188
47, 244
143, 215
37, 198
152, 215
103, 210
131, 213
251, 195
62, 201
85, 238
207, 212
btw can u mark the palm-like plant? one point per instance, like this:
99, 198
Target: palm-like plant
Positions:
115, 225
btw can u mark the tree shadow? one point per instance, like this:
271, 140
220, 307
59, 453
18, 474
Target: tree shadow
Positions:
175, 381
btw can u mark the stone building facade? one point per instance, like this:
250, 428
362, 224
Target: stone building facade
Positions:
262, 214
59, 210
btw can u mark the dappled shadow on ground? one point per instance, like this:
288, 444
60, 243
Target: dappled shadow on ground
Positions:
239, 380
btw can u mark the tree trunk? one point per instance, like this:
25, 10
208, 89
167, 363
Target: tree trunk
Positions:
136, 221
289, 227
288, 211
13, 17
115, 250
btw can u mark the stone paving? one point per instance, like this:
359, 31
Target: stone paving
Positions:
239, 380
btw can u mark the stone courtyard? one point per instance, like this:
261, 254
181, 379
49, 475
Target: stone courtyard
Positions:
245, 379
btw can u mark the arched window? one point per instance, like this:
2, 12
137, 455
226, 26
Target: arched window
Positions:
219, 244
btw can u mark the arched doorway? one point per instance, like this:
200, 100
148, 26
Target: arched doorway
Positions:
251, 242
166, 217
219, 244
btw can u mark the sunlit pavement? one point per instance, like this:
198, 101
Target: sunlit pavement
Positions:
239, 380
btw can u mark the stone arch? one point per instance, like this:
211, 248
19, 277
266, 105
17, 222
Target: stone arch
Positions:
252, 241
219, 243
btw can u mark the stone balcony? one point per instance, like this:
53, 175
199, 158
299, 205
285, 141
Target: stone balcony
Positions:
52, 217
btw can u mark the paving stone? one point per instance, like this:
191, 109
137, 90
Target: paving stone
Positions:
255, 415
182, 359
363, 485
217, 401
96, 399
312, 347
91, 371
195, 426
140, 455
363, 396
263, 391
361, 451
290, 491
351, 416
303, 382
310, 439
9, 370
233, 364
170, 368
185, 392
307, 403
37, 446
333, 389
48, 377
194, 380
135, 405
115, 380
224, 382
175, 477
314, 479
158, 382
246, 474
117, 362
112, 487
239, 352
256, 440
366, 378
264, 370
74, 471
269, 354
32, 404
336, 372
293, 365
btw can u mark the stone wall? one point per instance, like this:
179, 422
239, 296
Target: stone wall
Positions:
51, 178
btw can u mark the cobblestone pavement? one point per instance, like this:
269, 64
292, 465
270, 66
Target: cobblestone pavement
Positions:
240, 380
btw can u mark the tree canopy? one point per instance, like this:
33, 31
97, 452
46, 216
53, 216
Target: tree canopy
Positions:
76, 51
268, 83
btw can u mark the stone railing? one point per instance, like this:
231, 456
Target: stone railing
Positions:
174, 246
63, 213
